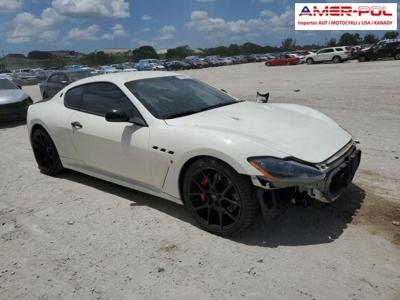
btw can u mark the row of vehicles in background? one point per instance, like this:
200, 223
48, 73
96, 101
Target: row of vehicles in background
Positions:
388, 48
14, 102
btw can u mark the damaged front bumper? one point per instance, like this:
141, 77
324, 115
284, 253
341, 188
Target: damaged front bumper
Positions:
337, 174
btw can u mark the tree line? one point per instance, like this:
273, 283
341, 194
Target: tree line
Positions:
178, 53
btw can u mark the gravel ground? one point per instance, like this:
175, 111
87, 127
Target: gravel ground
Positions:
76, 237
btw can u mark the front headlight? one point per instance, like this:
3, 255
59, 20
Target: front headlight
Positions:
282, 171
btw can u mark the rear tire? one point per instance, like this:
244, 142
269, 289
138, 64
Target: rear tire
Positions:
337, 60
397, 56
309, 61
362, 59
45, 152
220, 200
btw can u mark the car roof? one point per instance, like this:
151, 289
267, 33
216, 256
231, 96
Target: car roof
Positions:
123, 77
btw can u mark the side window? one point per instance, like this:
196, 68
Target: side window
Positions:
321, 51
53, 78
339, 49
99, 98
329, 50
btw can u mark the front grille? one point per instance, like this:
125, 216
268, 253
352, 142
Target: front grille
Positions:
341, 176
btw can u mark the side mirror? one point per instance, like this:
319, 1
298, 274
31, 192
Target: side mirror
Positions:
64, 82
116, 116
262, 98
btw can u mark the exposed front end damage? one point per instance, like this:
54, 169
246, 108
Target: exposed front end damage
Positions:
337, 174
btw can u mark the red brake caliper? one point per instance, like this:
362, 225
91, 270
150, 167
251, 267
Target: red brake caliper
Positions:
203, 183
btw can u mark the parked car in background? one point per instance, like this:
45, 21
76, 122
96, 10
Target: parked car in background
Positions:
214, 61
196, 63
283, 59
227, 60
157, 67
14, 102
382, 49
299, 56
145, 65
25, 78
332, 54
58, 80
150, 61
176, 65
107, 69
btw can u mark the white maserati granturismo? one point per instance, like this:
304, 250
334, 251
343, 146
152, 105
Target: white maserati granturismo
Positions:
171, 136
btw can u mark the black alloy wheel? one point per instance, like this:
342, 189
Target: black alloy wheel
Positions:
45, 152
220, 200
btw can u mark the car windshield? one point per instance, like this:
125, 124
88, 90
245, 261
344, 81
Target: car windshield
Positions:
176, 96
6, 84
79, 75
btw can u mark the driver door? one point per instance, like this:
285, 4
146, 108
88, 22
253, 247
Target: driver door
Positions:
113, 149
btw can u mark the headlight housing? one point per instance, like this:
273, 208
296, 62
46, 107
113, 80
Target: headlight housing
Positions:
282, 172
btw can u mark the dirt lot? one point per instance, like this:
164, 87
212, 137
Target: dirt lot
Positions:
76, 237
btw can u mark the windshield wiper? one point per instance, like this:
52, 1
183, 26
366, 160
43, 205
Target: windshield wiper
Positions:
191, 112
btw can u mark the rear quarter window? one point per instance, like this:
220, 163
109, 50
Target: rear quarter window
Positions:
73, 98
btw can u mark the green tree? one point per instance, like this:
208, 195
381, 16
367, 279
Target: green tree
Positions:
289, 44
348, 39
331, 43
235, 49
179, 52
250, 48
370, 39
391, 35
144, 52
39, 55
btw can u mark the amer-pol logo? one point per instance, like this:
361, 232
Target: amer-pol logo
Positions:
346, 16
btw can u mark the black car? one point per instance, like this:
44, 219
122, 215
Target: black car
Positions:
13, 101
58, 80
382, 49
176, 65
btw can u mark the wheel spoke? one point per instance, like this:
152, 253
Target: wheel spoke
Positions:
208, 215
198, 185
221, 217
203, 206
225, 211
227, 188
230, 201
215, 179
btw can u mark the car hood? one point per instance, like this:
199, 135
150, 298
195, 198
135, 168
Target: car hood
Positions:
12, 96
294, 130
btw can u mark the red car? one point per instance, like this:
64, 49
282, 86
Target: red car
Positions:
282, 60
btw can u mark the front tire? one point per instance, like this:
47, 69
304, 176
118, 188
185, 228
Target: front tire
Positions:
397, 56
310, 61
45, 152
221, 201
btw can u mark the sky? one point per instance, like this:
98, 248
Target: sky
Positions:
86, 25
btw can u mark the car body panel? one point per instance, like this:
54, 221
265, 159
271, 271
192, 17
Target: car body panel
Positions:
12, 96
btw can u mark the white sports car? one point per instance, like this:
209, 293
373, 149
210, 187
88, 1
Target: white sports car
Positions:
169, 135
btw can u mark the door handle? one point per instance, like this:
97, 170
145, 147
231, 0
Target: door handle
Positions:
76, 125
